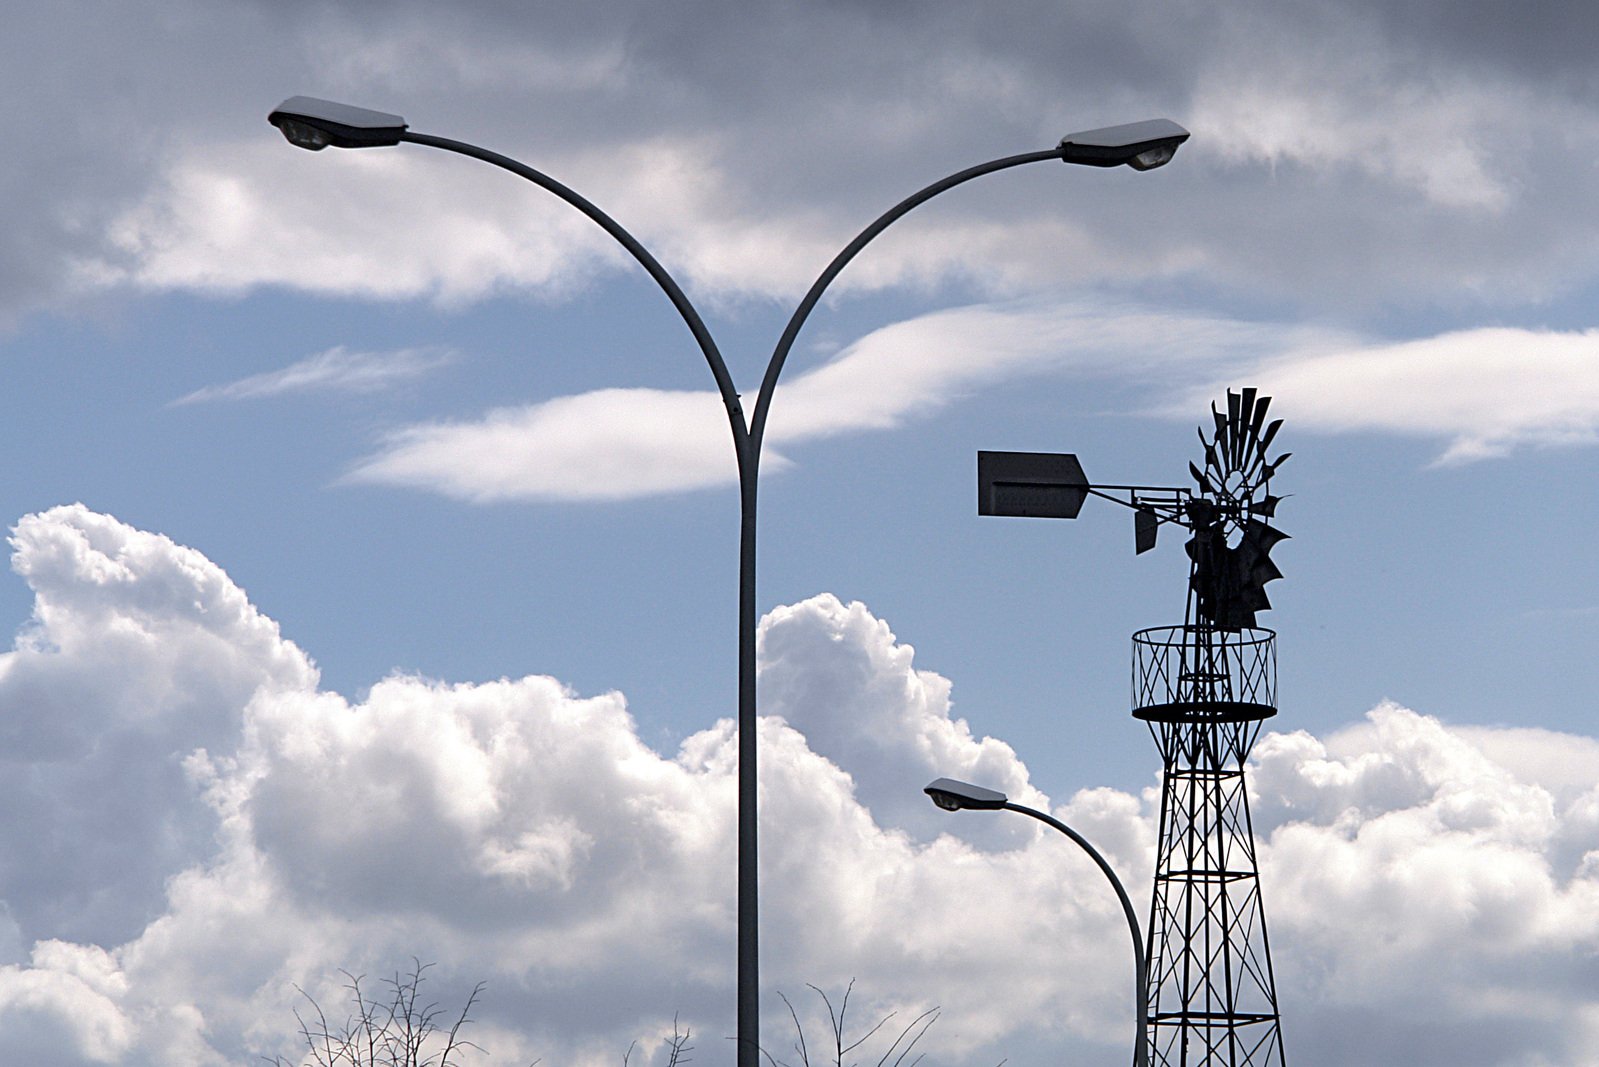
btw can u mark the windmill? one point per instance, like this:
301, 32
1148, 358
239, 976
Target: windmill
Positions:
1203, 688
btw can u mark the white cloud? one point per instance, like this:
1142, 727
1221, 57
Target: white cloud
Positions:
605, 445
1485, 392
617, 443
63, 1007
517, 832
139, 650
334, 370
1414, 868
1353, 111
388, 224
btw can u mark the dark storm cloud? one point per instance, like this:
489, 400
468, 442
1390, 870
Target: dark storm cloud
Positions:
1358, 152
1550, 41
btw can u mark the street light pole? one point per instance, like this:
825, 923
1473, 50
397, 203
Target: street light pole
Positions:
953, 795
315, 124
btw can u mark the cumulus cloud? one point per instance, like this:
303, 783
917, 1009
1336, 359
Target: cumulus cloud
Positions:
136, 648
1412, 865
335, 370
1429, 888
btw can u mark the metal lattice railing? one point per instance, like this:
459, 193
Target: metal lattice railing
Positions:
1197, 674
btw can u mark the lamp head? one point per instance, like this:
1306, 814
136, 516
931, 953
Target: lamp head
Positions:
1140, 145
953, 795
315, 124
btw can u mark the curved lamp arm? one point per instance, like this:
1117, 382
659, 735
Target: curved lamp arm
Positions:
1141, 145
774, 368
1140, 965
953, 795
674, 292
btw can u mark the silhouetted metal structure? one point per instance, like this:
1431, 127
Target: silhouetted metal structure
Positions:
1204, 688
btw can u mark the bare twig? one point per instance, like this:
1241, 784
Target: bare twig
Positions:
843, 1045
397, 1033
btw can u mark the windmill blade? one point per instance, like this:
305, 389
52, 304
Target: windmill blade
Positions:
1204, 482
1264, 571
1211, 462
1256, 420
1259, 419
1246, 418
1221, 430
1265, 443
1268, 507
1271, 468
1265, 438
1263, 537
1232, 423
1271, 432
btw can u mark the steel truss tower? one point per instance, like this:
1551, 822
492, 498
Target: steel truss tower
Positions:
1212, 996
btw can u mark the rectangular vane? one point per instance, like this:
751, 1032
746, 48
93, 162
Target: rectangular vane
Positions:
1048, 485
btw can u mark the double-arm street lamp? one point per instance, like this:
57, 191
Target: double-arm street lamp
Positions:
316, 124
953, 795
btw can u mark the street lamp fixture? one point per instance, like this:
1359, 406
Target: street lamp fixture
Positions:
1139, 145
314, 124
951, 794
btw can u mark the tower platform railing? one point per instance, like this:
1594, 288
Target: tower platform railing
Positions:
1197, 674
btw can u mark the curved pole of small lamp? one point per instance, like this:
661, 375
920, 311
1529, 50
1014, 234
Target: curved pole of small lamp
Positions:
747, 439
1140, 966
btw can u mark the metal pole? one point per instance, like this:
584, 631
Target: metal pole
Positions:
1140, 980
747, 438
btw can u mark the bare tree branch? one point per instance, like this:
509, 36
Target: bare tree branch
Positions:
844, 1045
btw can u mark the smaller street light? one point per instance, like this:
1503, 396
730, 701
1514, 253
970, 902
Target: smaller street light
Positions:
954, 795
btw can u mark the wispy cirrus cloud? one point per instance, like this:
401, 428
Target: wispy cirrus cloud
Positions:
1480, 393
1483, 393
620, 443
337, 370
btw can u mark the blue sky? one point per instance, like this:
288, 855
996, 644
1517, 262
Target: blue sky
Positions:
405, 403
